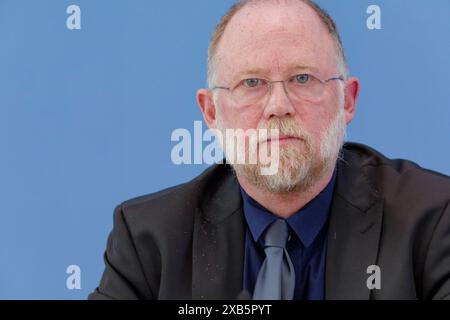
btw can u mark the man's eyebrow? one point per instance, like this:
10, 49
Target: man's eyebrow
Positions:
251, 71
309, 68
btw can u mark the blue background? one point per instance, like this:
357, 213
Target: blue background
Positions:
86, 115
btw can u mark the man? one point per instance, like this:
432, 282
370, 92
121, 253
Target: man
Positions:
334, 222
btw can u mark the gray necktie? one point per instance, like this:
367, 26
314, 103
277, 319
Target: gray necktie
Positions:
276, 278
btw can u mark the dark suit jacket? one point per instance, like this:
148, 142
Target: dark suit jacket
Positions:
187, 242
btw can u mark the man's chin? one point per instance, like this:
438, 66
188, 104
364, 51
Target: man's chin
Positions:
287, 179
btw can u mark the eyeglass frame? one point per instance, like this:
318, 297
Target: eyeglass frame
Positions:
270, 83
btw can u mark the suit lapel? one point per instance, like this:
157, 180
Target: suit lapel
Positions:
354, 232
218, 244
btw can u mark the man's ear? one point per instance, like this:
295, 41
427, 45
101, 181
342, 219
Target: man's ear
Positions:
352, 88
207, 107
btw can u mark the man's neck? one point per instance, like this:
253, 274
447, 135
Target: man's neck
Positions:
285, 205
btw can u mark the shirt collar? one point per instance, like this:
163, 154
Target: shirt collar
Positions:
306, 223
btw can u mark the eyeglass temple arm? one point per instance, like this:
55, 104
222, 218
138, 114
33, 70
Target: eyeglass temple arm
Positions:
217, 87
334, 78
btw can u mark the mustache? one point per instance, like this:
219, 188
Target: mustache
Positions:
285, 128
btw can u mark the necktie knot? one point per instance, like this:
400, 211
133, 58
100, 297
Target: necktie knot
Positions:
277, 234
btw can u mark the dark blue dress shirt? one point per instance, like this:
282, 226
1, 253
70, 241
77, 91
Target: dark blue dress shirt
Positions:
306, 245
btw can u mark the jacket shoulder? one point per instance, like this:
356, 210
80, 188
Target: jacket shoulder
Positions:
393, 178
176, 200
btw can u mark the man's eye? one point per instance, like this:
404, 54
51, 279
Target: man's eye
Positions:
302, 78
251, 83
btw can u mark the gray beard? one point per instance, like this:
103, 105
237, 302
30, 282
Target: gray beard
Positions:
299, 170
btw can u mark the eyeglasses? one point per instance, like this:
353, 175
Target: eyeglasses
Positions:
299, 87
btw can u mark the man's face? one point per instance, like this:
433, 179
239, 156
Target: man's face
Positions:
276, 41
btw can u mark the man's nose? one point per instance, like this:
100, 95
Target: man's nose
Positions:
279, 103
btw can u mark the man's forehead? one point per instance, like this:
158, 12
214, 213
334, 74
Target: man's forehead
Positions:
279, 53
259, 35
274, 43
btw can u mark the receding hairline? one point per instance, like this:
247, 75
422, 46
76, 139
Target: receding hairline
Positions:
225, 20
